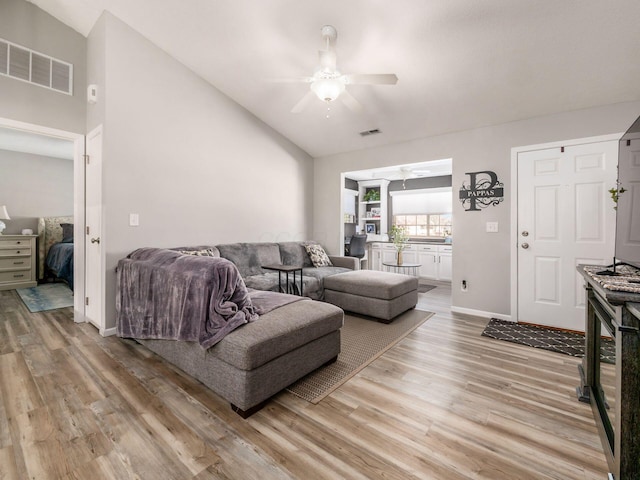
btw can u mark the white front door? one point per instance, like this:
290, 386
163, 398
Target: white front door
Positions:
93, 240
565, 218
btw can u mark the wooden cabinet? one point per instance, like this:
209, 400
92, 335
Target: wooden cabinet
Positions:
17, 261
612, 387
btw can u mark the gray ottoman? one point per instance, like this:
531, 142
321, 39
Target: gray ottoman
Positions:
382, 295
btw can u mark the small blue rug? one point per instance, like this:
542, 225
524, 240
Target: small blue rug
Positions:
50, 296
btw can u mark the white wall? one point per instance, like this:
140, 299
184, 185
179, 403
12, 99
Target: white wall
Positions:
23, 23
196, 167
483, 259
33, 186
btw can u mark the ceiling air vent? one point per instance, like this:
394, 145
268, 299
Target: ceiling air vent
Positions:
39, 69
366, 133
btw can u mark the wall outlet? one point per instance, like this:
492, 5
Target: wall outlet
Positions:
134, 220
463, 286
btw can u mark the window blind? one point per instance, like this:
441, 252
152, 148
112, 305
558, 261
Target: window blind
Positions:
429, 201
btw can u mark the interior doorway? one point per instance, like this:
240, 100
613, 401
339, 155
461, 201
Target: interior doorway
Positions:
39, 139
418, 199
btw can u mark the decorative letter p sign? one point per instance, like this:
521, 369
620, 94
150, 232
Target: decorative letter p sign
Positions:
483, 190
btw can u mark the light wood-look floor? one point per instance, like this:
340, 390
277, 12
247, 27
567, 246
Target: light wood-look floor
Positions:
445, 403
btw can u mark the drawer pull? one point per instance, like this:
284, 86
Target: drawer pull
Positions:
18, 263
17, 251
18, 242
18, 275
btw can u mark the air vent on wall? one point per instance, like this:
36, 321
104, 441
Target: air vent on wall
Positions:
366, 133
37, 68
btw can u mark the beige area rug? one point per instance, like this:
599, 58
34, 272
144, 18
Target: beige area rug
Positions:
362, 341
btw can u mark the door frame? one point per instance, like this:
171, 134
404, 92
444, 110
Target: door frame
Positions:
78, 203
515, 151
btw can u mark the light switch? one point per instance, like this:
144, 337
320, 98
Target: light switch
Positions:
134, 220
492, 227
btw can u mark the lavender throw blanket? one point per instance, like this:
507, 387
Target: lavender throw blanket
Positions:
163, 294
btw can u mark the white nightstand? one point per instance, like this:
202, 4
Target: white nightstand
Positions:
17, 261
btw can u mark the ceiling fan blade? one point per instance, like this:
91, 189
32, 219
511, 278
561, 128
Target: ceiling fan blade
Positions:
350, 101
371, 79
327, 60
291, 80
298, 107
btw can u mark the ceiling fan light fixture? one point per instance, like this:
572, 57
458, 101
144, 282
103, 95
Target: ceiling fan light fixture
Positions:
327, 83
327, 89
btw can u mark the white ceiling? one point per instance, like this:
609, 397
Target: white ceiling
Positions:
433, 168
460, 63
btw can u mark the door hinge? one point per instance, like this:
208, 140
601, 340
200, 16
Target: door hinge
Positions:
86, 301
87, 229
86, 159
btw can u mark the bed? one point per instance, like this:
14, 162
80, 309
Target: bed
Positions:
55, 249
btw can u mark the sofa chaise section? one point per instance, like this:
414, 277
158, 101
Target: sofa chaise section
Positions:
256, 361
195, 311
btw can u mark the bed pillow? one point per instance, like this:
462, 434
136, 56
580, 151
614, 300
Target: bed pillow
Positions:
318, 256
67, 232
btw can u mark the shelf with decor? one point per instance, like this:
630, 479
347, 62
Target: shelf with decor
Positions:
372, 209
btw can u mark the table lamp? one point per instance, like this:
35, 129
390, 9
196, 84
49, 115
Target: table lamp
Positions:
4, 215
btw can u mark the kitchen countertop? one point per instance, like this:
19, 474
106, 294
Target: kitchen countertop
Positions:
417, 242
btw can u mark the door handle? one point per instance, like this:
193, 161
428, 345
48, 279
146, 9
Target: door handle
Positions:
525, 245
95, 240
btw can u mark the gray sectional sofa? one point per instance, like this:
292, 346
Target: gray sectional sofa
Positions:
176, 304
251, 257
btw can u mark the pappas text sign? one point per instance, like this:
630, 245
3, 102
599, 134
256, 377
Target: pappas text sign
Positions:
483, 190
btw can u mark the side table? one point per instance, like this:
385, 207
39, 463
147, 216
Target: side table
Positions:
402, 268
286, 269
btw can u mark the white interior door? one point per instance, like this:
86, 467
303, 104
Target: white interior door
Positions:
94, 271
565, 218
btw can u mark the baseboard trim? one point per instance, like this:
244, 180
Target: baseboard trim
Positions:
107, 332
481, 313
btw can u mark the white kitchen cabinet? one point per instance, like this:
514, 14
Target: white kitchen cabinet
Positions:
445, 256
428, 260
410, 254
389, 254
435, 261
375, 256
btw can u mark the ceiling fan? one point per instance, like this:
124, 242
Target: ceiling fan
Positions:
328, 84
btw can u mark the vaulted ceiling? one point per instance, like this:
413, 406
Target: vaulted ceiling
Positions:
460, 63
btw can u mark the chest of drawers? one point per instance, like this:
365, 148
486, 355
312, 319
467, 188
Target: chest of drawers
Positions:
17, 261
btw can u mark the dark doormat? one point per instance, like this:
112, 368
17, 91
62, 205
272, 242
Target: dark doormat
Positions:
424, 288
569, 343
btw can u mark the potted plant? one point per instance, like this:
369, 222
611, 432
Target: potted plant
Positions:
399, 238
372, 195
615, 194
